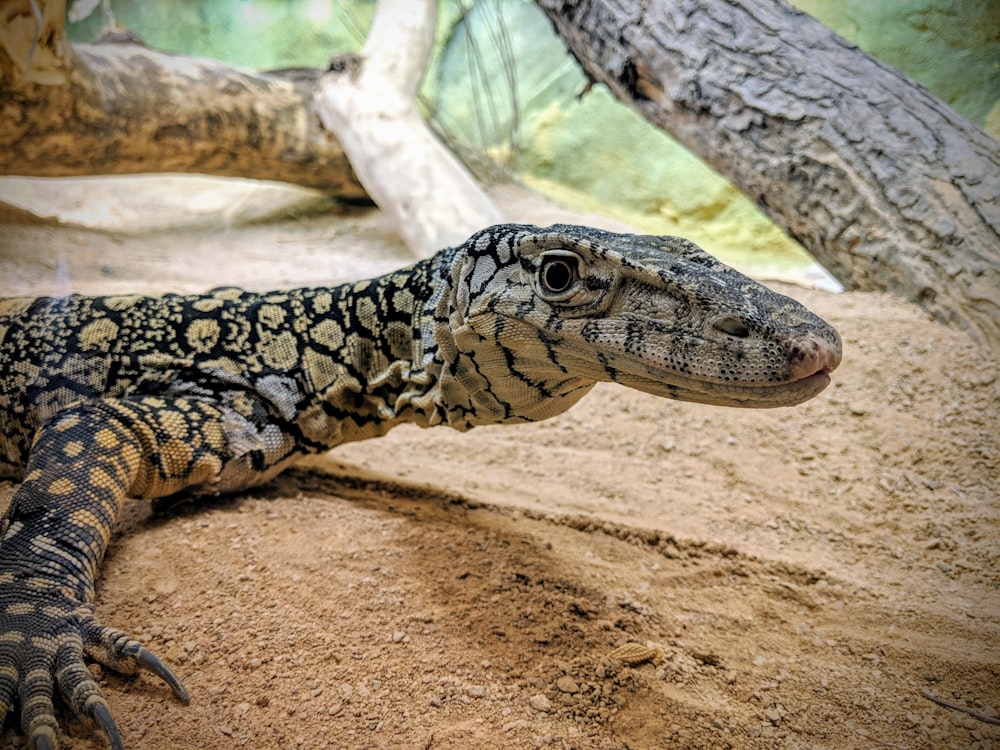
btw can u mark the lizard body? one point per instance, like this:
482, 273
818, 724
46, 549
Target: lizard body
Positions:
107, 398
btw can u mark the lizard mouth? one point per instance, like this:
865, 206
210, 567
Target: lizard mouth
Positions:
757, 395
807, 375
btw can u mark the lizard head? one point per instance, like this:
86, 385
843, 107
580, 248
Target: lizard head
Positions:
555, 310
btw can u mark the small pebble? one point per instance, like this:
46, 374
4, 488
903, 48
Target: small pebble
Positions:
540, 703
567, 684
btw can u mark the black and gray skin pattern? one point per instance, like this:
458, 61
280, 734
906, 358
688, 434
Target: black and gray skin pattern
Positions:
107, 398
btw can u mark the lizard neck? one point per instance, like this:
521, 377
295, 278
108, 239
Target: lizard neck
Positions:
371, 364
409, 351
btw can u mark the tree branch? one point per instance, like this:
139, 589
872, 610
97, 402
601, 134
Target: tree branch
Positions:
125, 109
884, 184
371, 106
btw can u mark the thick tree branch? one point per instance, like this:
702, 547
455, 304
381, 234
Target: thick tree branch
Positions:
884, 184
371, 105
123, 109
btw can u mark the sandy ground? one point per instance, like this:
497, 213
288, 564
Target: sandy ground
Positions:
798, 578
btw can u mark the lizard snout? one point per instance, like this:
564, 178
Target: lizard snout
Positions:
815, 355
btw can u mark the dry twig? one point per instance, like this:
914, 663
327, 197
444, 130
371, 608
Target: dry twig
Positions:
959, 707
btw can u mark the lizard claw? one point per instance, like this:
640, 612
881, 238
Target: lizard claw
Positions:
148, 660
43, 648
102, 715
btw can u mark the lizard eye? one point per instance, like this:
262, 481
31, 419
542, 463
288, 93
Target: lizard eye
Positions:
558, 274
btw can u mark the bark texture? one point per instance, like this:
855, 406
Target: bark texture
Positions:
883, 183
123, 108
371, 104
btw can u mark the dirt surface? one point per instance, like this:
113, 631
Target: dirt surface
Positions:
637, 573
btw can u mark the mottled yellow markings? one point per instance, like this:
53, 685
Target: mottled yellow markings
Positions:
367, 310
6, 578
40, 674
34, 475
86, 519
54, 611
101, 479
203, 334
12, 637
98, 334
226, 364
404, 299
46, 546
20, 608
28, 370
73, 448
172, 424
208, 304
122, 301
321, 369
327, 333
41, 584
107, 439
10, 674
175, 458
127, 461
271, 316
400, 339
322, 303
62, 486
633, 654
280, 351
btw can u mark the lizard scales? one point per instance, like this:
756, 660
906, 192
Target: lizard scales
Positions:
107, 398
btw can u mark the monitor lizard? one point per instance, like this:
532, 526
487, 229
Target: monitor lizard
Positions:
115, 397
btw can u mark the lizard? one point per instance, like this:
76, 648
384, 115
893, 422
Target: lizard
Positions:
108, 398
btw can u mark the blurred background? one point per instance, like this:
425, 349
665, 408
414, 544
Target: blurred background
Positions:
508, 98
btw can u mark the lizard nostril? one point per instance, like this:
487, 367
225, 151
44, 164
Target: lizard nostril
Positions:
733, 327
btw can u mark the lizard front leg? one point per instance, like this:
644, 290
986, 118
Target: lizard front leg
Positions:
84, 463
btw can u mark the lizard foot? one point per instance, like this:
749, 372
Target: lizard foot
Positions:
43, 640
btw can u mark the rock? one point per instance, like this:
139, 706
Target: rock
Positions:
540, 703
567, 684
